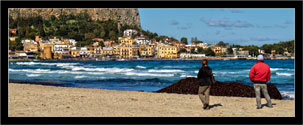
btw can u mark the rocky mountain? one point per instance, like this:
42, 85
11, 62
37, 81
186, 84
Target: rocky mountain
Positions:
129, 16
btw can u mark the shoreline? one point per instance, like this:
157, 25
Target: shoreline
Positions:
28, 100
177, 59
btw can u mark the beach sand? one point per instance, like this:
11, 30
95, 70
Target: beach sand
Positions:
27, 100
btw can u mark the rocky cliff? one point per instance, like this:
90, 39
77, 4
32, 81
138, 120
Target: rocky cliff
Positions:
129, 16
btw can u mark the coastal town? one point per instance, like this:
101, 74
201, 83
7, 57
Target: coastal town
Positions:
127, 48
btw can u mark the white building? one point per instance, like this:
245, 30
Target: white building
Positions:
203, 45
142, 40
129, 32
28, 41
58, 48
83, 51
189, 55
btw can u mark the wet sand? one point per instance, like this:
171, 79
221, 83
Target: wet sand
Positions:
27, 100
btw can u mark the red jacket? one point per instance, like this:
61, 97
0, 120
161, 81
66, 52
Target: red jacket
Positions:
259, 72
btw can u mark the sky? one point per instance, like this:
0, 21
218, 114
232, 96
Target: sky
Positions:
241, 26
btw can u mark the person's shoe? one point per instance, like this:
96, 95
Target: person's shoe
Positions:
206, 107
258, 107
270, 106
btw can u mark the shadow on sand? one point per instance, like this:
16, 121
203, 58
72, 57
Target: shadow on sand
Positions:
215, 105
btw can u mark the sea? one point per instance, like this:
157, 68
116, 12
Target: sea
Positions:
146, 75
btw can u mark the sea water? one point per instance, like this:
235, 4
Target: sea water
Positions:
146, 75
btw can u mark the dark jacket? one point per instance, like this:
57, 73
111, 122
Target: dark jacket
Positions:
205, 76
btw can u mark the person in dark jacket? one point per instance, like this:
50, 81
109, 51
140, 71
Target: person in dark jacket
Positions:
259, 74
205, 76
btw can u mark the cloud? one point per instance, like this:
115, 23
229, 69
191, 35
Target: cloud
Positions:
262, 38
174, 22
226, 23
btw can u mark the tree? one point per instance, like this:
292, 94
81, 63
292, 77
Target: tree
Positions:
222, 44
184, 40
182, 51
200, 50
230, 50
210, 52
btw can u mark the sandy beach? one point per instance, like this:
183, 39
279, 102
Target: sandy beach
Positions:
27, 100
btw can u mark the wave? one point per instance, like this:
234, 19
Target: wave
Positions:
284, 74
173, 67
164, 71
148, 74
32, 75
79, 77
140, 67
50, 64
287, 95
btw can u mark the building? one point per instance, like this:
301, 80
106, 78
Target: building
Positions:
129, 32
189, 55
217, 49
127, 41
108, 51
58, 48
83, 51
146, 51
13, 38
46, 52
224, 50
109, 43
261, 51
90, 51
13, 31
203, 45
243, 53
142, 40
235, 51
75, 52
167, 51
55, 40
98, 40
98, 51
30, 47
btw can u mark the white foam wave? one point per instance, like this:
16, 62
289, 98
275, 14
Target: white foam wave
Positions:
175, 67
148, 74
79, 77
49, 64
284, 74
288, 95
140, 67
32, 75
164, 71
276, 69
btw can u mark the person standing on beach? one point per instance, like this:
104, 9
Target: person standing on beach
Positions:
259, 74
205, 76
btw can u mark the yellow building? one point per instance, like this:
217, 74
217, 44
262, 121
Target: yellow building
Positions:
146, 51
128, 41
108, 51
167, 52
217, 50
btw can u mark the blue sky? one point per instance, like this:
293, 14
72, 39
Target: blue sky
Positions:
242, 26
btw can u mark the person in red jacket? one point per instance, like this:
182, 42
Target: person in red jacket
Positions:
259, 74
